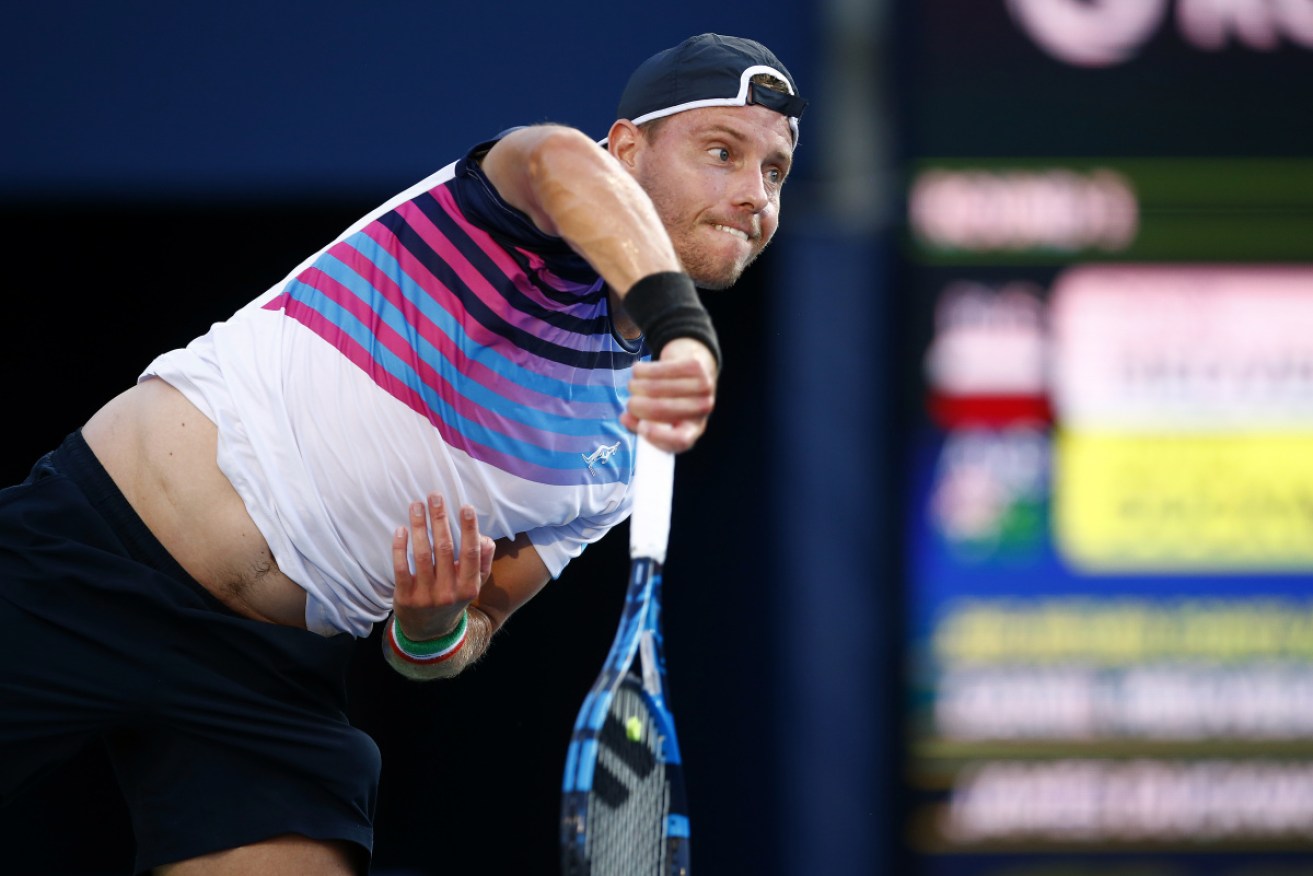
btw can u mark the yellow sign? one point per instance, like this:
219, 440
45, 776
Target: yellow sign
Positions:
1225, 502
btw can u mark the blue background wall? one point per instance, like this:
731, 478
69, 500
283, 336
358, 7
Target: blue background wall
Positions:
294, 97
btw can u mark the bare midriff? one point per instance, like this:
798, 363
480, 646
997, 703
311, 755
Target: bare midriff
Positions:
161, 452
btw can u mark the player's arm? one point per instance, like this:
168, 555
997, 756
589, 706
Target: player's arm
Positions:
458, 596
573, 189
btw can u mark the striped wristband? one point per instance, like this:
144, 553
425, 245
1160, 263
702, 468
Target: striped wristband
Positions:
428, 651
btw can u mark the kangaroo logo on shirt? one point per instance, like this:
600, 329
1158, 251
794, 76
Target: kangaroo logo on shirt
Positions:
601, 456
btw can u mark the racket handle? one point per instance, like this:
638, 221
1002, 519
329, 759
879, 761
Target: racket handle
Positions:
653, 487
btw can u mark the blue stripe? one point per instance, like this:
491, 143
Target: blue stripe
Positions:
677, 825
479, 259
613, 359
587, 760
488, 399
563, 460
595, 717
434, 312
571, 762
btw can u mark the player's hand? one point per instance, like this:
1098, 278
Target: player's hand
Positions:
671, 399
447, 577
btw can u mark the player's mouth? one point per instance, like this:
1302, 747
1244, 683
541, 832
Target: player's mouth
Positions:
735, 232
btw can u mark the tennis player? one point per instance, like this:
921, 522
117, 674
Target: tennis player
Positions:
185, 575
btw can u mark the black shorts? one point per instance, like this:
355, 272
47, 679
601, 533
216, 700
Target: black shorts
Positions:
222, 731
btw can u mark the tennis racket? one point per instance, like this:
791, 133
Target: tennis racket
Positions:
623, 809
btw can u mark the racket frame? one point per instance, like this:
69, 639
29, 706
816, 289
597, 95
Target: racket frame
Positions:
637, 650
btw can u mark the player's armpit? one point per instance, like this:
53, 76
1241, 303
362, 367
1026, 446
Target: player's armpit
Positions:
518, 573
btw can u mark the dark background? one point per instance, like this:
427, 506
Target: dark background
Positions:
163, 164
474, 764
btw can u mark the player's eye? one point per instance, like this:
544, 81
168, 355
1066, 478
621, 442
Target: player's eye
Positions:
720, 153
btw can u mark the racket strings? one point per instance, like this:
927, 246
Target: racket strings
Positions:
630, 799
638, 757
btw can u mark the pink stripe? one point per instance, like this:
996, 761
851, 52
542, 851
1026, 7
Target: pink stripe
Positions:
425, 280
476, 332
472, 279
430, 376
390, 290
359, 356
486, 292
508, 265
539, 266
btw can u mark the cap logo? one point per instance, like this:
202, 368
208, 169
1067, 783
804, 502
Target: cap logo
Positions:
786, 104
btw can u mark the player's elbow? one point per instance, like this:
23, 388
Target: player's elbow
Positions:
561, 160
554, 144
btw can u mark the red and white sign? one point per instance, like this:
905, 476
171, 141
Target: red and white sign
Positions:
1167, 348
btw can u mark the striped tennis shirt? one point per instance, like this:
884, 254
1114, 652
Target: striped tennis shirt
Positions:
441, 343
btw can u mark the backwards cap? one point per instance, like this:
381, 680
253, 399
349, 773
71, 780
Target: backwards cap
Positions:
708, 70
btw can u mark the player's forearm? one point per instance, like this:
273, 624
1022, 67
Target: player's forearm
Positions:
478, 634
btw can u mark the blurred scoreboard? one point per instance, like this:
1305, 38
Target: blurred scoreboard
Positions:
1107, 270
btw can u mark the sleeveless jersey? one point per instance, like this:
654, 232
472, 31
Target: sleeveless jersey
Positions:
442, 343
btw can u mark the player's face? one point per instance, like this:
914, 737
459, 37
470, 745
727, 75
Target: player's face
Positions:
715, 176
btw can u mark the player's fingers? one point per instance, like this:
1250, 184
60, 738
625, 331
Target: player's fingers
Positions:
421, 547
672, 437
658, 369
468, 579
444, 551
487, 549
670, 410
678, 378
675, 437
674, 387
401, 575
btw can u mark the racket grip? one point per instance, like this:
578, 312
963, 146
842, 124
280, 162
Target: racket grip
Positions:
653, 488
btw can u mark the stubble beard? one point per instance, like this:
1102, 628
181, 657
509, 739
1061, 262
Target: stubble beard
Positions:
708, 273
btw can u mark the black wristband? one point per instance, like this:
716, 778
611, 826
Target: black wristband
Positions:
666, 306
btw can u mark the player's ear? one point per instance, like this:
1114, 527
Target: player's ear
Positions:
624, 141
